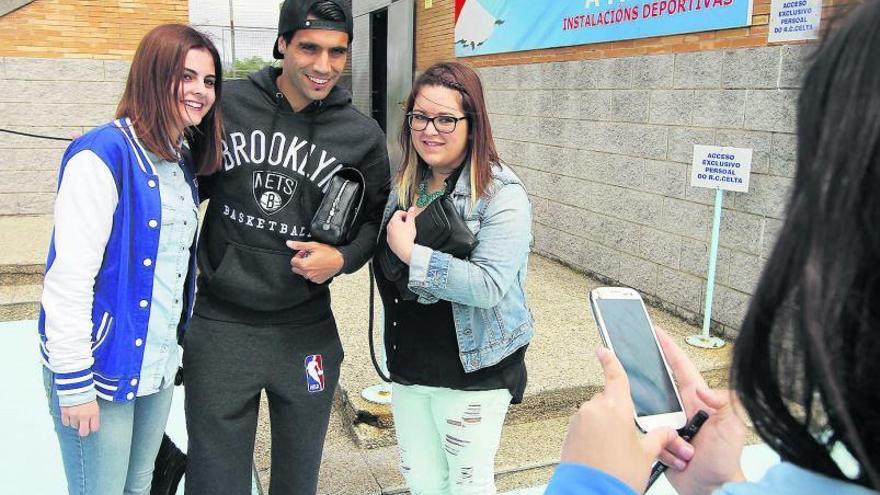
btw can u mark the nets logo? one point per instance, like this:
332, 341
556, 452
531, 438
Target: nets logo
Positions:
272, 191
314, 373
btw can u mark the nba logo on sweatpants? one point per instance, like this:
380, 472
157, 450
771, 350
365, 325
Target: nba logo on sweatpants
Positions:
315, 373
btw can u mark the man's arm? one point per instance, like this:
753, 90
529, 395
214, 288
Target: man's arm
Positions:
377, 176
319, 262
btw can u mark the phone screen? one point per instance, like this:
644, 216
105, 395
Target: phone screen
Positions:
633, 342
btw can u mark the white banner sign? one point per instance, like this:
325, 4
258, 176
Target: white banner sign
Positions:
720, 167
793, 20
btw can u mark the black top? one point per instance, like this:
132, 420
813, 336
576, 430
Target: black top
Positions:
422, 349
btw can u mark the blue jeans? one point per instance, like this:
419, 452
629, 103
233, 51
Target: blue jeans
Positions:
448, 438
119, 457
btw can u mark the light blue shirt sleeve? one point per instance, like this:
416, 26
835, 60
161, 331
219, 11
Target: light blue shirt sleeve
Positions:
786, 478
577, 479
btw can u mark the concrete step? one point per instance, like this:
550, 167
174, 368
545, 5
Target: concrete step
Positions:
20, 289
24, 239
24, 242
562, 370
19, 311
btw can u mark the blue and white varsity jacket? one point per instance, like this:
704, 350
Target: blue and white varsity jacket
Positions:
99, 274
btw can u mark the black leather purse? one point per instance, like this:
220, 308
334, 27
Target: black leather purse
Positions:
335, 221
439, 227
168, 469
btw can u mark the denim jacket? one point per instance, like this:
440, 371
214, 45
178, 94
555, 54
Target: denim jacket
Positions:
487, 291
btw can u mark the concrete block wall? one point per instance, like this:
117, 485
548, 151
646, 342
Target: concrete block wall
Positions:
63, 64
604, 148
54, 97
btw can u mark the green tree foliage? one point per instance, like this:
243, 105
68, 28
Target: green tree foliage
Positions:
244, 66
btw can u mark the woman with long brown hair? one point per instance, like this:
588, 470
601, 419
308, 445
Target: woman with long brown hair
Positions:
456, 320
119, 277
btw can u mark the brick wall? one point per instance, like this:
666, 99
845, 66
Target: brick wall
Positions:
434, 33
63, 65
84, 28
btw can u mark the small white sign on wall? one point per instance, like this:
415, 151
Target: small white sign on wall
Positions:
720, 167
793, 20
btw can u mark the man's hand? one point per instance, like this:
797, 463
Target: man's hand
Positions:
314, 261
82, 417
603, 434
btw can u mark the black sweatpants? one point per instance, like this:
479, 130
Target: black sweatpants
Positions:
226, 365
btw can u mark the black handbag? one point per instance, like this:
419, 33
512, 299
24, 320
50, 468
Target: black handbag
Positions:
335, 220
169, 468
439, 227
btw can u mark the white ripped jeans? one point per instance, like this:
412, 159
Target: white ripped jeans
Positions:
448, 438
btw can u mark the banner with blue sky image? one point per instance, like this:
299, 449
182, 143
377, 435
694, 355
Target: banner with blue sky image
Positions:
497, 26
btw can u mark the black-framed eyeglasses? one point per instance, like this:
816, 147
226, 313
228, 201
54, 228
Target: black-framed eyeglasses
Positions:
443, 123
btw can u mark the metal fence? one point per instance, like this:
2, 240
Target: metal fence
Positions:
243, 49
247, 49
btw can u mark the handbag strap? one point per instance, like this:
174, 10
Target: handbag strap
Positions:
370, 331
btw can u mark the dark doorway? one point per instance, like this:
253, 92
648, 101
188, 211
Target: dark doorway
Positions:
379, 66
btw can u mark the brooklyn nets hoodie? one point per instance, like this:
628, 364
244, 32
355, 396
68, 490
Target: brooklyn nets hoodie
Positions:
277, 163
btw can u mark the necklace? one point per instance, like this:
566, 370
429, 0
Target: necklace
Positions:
424, 198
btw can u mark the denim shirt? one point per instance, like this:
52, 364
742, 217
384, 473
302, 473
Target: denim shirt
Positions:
179, 224
487, 291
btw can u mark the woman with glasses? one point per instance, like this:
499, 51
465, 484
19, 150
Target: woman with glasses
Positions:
456, 328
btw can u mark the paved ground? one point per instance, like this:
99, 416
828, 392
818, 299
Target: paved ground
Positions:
562, 374
24, 239
33, 466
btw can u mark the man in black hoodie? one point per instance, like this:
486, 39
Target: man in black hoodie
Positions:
262, 316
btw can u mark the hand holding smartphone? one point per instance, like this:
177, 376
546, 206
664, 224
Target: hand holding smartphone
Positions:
626, 330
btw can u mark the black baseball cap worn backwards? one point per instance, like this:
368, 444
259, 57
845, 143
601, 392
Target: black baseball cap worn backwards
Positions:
293, 18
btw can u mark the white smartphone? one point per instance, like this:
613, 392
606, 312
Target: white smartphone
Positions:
627, 331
